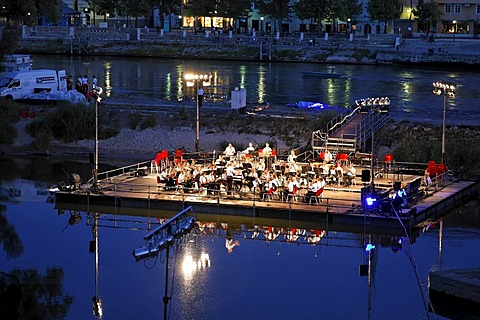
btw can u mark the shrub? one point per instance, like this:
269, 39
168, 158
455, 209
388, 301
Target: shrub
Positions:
149, 122
9, 115
134, 120
69, 123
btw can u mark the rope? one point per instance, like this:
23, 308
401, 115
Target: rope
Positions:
412, 259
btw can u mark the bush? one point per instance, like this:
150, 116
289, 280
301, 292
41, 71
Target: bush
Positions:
149, 122
9, 115
69, 123
134, 120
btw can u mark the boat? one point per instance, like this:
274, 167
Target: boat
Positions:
326, 75
312, 105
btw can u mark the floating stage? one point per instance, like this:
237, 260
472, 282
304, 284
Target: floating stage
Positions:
456, 293
340, 206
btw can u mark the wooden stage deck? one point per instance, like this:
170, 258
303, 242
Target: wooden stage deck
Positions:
340, 206
456, 293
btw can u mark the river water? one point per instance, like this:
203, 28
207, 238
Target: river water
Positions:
260, 279
409, 88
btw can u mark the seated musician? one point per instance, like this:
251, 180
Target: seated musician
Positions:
350, 174
292, 185
292, 169
220, 161
251, 178
170, 182
332, 174
260, 165
163, 175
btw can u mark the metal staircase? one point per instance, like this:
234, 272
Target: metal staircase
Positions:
348, 132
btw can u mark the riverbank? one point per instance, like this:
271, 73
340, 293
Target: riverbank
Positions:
374, 49
408, 141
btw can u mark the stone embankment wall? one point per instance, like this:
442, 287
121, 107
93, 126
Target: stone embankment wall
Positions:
376, 49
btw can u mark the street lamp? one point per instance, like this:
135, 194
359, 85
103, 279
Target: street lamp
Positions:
448, 90
193, 80
97, 92
261, 23
454, 28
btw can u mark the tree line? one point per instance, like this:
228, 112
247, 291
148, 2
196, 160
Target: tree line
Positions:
29, 11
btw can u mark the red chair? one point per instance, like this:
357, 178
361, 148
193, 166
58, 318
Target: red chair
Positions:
432, 171
178, 157
274, 154
156, 162
260, 152
440, 168
318, 196
322, 155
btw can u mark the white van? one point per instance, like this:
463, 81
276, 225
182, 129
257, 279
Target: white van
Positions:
18, 85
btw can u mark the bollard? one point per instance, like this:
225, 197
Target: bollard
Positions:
184, 33
277, 36
326, 36
301, 36
230, 34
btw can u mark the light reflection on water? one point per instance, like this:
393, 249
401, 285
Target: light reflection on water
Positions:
285, 277
409, 88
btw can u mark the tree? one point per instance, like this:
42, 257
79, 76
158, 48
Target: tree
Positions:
384, 10
133, 8
234, 8
51, 10
106, 6
26, 294
313, 9
165, 7
28, 11
347, 9
276, 9
427, 13
201, 8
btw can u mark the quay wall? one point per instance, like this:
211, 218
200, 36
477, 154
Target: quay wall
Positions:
377, 49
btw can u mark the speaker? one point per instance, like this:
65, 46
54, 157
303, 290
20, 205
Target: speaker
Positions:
363, 269
91, 158
365, 175
397, 185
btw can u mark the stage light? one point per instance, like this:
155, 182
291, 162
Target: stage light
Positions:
370, 201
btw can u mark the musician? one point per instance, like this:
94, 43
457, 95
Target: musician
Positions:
292, 158
350, 174
229, 151
250, 148
260, 165
230, 172
327, 156
220, 161
267, 151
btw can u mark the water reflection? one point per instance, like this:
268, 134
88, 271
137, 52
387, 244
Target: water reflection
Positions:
11, 242
410, 88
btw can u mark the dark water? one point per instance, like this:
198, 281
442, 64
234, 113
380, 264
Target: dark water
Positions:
258, 280
409, 88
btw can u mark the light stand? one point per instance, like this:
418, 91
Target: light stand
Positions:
448, 90
97, 91
193, 80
